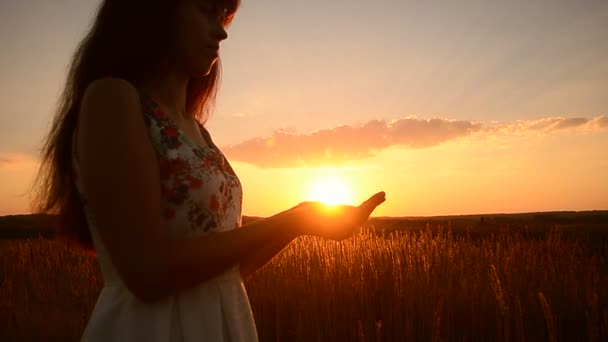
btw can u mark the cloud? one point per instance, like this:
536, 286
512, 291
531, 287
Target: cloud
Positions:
240, 115
545, 126
598, 123
15, 160
345, 143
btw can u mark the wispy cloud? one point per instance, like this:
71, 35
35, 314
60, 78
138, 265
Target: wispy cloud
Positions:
240, 115
550, 125
287, 148
15, 160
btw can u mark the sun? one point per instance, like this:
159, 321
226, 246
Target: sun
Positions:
330, 190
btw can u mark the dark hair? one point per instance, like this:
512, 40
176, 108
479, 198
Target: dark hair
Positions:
125, 41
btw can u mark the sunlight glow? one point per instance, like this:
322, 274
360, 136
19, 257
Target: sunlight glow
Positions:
330, 190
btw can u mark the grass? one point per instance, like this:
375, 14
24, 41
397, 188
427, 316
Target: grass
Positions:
424, 285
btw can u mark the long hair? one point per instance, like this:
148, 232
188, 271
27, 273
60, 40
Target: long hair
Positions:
125, 41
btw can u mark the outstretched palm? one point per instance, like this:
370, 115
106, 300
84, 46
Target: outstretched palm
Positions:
335, 222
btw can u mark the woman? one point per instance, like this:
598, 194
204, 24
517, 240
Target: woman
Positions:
135, 177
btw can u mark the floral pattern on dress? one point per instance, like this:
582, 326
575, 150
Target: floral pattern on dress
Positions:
198, 185
199, 190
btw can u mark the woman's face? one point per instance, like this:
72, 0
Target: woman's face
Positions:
198, 32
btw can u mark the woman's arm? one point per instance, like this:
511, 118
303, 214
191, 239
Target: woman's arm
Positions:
198, 259
262, 255
121, 177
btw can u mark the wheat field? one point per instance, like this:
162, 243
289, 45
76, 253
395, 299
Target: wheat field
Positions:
426, 285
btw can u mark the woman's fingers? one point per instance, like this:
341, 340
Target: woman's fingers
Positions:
374, 201
368, 206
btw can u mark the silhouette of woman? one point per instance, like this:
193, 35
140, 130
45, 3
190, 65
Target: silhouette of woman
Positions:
136, 179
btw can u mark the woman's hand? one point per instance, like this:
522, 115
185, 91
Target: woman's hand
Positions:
336, 222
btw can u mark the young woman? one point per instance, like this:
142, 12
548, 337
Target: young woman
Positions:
135, 178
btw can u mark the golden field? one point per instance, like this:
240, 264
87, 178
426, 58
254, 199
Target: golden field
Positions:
427, 284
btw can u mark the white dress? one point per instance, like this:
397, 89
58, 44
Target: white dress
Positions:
200, 193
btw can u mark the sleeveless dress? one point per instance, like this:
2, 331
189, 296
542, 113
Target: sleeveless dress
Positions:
200, 194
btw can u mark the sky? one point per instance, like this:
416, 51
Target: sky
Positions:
450, 107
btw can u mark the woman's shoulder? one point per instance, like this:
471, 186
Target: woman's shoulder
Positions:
110, 86
110, 98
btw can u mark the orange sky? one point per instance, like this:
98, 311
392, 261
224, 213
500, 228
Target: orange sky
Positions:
468, 107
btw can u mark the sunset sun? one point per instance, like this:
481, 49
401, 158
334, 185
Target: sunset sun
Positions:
330, 190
